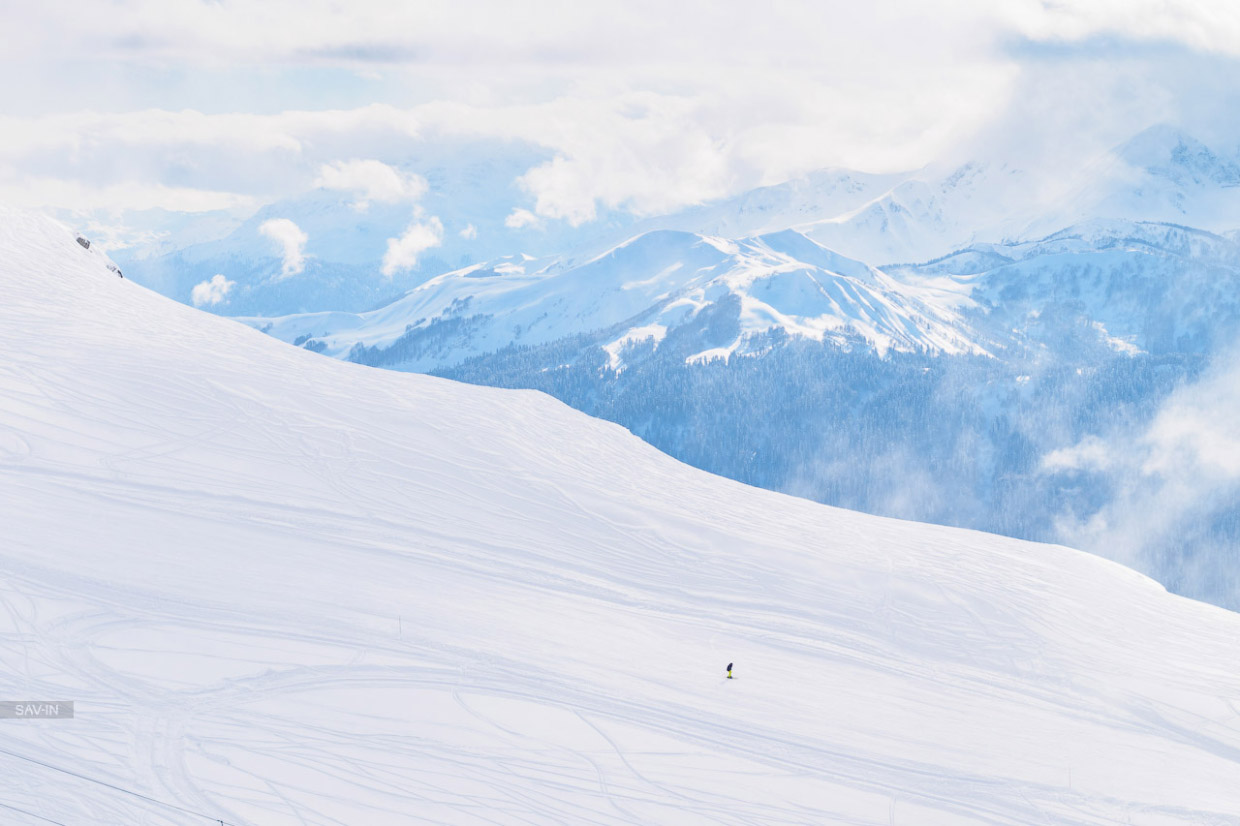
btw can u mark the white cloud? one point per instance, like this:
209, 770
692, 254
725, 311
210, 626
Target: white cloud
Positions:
370, 34
1091, 453
1170, 479
372, 181
626, 117
521, 218
704, 106
212, 291
292, 242
36, 191
185, 160
402, 253
1210, 25
469, 233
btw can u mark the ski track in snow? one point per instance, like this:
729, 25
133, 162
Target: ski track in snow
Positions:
286, 590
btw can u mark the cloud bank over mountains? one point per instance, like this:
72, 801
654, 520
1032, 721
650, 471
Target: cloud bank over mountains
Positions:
639, 108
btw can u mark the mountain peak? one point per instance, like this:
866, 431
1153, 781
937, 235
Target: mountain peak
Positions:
1155, 144
796, 245
1170, 152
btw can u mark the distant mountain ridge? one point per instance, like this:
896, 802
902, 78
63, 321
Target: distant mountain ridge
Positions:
641, 291
1119, 285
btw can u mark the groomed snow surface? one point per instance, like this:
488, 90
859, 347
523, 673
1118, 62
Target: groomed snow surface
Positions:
283, 589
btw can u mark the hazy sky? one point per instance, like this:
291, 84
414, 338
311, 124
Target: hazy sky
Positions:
644, 106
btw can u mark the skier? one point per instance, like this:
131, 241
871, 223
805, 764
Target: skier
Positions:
729, 671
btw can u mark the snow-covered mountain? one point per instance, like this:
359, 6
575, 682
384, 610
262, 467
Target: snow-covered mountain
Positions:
658, 285
1162, 174
287, 589
929, 214
906, 216
1122, 286
819, 195
1131, 286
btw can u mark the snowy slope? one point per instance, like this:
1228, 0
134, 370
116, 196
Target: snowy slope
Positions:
646, 288
284, 589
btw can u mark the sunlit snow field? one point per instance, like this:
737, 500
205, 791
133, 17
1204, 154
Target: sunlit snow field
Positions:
283, 589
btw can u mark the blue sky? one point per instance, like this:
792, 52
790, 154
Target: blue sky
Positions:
643, 106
